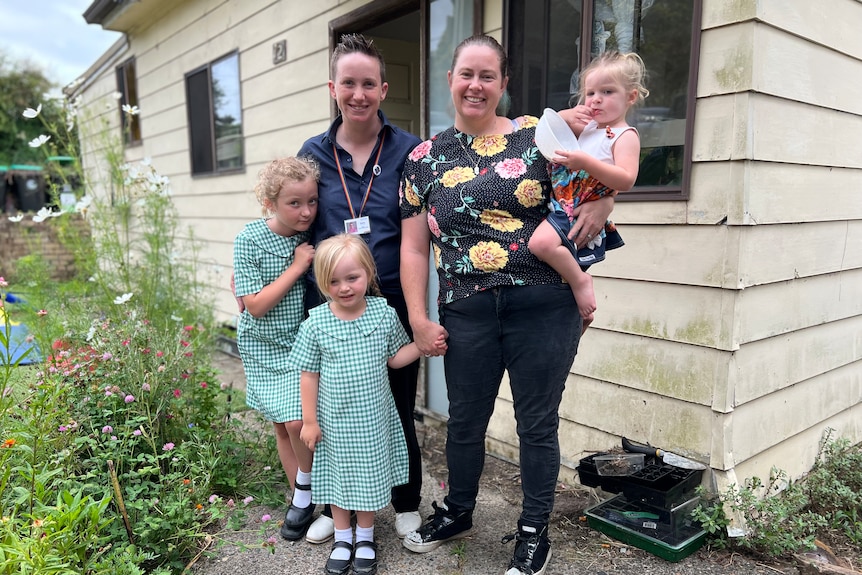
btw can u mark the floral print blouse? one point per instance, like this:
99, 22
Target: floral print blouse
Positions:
483, 197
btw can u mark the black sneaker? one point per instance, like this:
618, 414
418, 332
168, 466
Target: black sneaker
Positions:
532, 550
440, 527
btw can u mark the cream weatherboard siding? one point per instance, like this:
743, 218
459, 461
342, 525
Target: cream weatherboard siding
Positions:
729, 328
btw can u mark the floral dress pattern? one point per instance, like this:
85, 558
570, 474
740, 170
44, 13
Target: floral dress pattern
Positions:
483, 196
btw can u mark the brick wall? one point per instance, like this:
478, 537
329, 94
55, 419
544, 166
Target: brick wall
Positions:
18, 239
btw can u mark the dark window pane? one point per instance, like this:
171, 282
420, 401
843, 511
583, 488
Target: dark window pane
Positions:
127, 86
200, 121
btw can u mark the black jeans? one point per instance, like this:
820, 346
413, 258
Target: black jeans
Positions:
403, 383
532, 332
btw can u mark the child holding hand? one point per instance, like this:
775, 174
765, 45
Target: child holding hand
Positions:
349, 416
606, 163
271, 256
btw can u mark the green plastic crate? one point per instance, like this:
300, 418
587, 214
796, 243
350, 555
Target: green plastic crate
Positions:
669, 537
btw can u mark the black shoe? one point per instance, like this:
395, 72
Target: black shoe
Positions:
365, 566
532, 550
439, 527
297, 519
339, 566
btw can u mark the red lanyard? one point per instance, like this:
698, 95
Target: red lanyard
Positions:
370, 182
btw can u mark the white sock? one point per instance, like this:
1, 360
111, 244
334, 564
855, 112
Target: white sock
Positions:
365, 534
339, 553
302, 497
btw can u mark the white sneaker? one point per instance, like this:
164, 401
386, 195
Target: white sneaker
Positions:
321, 530
407, 523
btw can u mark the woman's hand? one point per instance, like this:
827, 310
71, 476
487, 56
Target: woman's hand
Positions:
310, 435
591, 218
430, 338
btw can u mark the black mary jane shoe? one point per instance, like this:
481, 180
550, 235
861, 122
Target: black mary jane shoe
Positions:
339, 566
297, 519
365, 566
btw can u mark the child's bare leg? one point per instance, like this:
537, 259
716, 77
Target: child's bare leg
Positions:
545, 244
285, 452
303, 456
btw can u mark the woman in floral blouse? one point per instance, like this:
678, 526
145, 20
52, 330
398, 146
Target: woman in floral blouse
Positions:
476, 192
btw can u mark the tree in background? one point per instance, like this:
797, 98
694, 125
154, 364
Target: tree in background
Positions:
22, 85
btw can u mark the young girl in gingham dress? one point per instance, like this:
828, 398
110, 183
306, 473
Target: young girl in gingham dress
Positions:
349, 416
271, 257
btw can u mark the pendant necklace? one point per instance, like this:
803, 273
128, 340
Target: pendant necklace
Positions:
458, 135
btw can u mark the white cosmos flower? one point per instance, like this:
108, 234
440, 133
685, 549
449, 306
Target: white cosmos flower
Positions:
36, 142
83, 204
117, 95
131, 110
31, 113
120, 300
42, 215
17, 218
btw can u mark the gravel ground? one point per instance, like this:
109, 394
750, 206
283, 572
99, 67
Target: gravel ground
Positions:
577, 549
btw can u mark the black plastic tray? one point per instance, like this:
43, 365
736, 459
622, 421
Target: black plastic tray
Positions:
657, 484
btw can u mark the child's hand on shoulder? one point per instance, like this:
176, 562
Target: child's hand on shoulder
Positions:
303, 255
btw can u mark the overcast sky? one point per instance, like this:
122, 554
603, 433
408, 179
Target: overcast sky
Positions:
54, 35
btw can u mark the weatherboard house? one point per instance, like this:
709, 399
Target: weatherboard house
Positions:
729, 328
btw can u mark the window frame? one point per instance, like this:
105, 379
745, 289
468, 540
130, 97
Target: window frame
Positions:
127, 86
516, 51
192, 120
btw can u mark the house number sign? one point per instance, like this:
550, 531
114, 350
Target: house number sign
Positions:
279, 52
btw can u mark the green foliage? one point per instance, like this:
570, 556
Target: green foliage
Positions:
120, 453
21, 86
783, 516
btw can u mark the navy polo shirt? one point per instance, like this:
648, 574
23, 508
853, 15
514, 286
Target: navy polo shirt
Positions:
382, 207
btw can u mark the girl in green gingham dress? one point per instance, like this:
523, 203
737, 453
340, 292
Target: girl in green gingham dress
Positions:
271, 257
349, 415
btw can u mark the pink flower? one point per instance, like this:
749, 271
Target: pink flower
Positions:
137, 433
177, 393
433, 226
213, 498
230, 504
106, 356
62, 428
266, 517
107, 429
145, 350
129, 398
510, 168
184, 343
167, 446
160, 353
420, 151
42, 312
125, 343
184, 375
248, 500
189, 328
203, 385
145, 387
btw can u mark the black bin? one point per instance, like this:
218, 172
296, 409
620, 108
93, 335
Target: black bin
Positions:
3, 171
28, 185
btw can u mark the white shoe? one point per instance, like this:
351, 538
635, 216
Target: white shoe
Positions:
321, 530
407, 523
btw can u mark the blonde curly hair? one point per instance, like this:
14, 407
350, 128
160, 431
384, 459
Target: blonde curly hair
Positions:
275, 174
626, 67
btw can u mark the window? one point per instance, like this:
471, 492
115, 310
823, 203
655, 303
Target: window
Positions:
552, 41
215, 117
127, 86
450, 22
